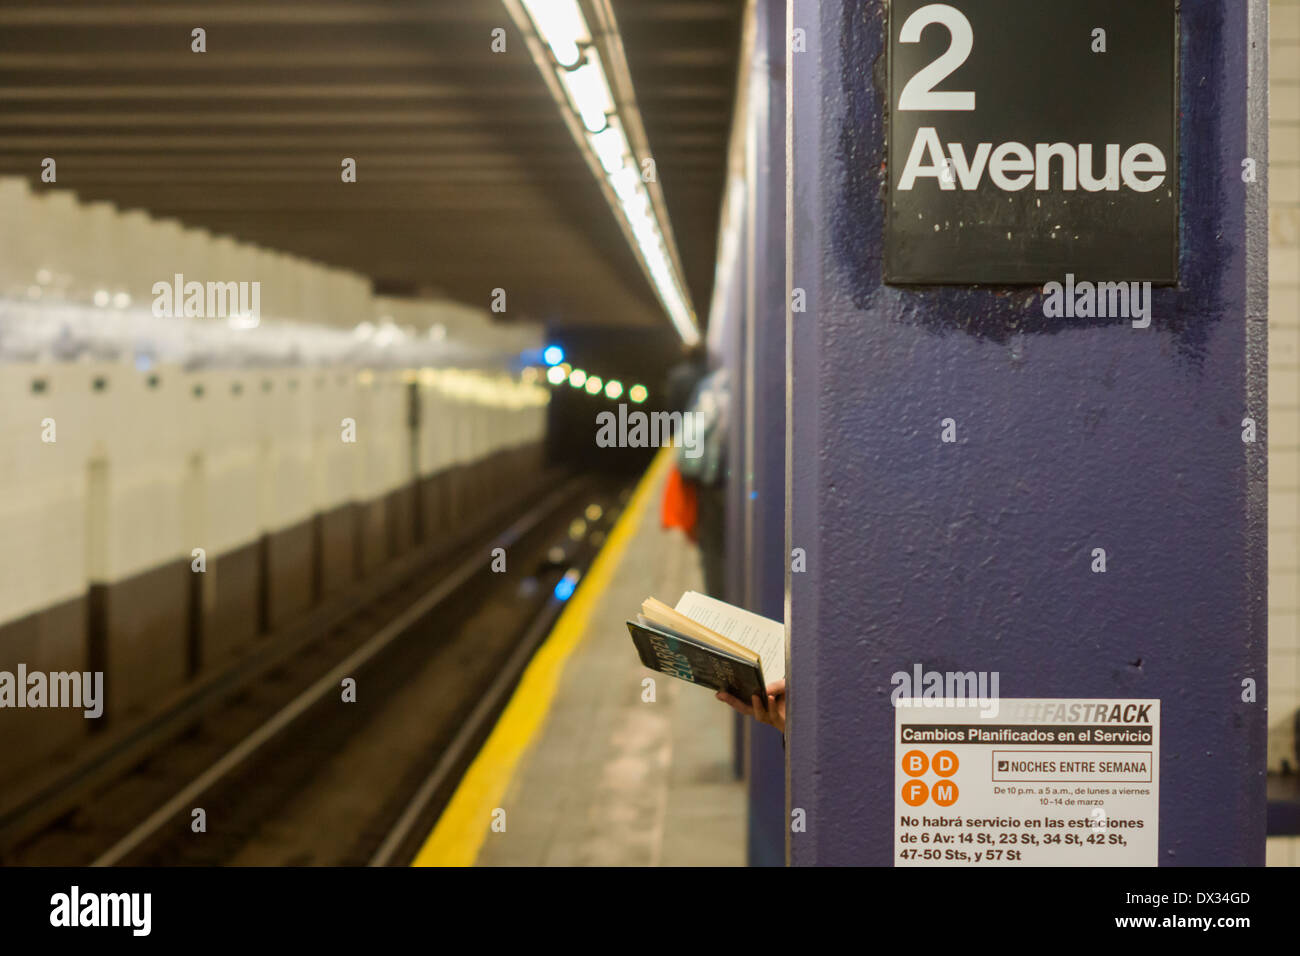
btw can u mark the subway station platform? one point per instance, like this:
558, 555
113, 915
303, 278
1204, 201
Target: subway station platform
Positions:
273, 416
580, 770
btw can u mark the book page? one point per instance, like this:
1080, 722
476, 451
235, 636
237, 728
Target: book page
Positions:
661, 615
762, 635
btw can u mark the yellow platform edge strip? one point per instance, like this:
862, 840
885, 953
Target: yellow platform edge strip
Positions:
460, 831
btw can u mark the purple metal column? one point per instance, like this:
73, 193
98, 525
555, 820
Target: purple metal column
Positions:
733, 357
765, 397
976, 555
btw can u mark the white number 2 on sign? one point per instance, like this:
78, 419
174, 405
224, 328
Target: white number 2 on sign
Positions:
919, 93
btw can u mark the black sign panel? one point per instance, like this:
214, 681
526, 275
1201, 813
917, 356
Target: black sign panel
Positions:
1031, 139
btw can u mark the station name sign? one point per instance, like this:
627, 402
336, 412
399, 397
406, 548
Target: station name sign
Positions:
1029, 140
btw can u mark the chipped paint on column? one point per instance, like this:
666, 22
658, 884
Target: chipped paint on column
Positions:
1072, 435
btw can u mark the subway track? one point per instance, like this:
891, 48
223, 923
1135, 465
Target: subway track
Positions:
286, 772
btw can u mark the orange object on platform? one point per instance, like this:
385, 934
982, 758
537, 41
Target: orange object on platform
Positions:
680, 507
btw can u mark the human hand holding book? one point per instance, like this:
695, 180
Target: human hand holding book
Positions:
772, 714
739, 654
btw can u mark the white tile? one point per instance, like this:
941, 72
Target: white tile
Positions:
1283, 337
1283, 139
1283, 98
1283, 225
1284, 184
1281, 851
1283, 423
1283, 21
1284, 266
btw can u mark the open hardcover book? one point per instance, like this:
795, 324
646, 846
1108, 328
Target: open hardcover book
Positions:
712, 643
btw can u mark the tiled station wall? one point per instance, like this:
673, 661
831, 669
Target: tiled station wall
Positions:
1283, 433
246, 460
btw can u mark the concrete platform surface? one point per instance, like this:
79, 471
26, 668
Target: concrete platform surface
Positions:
615, 780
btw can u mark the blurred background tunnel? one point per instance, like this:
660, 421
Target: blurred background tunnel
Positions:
317, 299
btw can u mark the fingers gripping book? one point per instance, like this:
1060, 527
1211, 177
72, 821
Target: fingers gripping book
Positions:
711, 643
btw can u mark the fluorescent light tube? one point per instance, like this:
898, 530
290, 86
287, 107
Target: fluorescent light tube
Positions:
561, 26
611, 148
589, 91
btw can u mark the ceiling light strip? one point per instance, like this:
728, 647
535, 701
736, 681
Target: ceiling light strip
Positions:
588, 77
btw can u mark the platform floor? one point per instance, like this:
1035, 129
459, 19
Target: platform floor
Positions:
607, 779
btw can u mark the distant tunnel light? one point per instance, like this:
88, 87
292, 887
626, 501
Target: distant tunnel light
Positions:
638, 393
594, 384
553, 355
577, 377
561, 26
613, 389
555, 375
583, 78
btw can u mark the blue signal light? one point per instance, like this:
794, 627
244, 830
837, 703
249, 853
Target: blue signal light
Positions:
553, 355
565, 587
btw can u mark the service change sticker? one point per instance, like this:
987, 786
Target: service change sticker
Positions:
1026, 782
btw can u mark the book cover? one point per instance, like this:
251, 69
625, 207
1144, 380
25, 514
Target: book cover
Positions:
687, 659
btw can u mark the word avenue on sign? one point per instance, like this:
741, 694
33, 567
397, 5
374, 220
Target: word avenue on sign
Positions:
1031, 139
